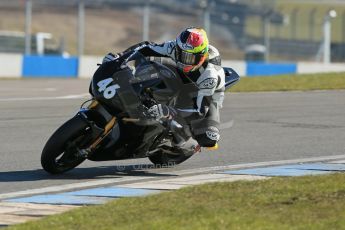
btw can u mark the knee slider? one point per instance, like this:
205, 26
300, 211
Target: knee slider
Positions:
209, 138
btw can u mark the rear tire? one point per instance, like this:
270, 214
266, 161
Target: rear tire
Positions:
71, 133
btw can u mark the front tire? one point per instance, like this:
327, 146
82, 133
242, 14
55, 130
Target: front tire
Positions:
60, 152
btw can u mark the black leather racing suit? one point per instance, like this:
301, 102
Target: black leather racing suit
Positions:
209, 78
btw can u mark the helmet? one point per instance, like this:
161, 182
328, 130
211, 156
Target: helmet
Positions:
191, 49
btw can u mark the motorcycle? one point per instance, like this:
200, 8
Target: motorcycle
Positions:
114, 124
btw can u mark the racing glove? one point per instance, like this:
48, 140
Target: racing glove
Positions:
160, 111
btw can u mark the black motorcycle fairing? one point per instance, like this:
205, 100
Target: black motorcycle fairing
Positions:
97, 114
167, 95
128, 144
134, 141
120, 91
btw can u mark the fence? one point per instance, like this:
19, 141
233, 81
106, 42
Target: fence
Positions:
289, 30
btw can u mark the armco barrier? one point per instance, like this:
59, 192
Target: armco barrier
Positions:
17, 66
50, 66
315, 67
88, 66
238, 66
267, 69
11, 65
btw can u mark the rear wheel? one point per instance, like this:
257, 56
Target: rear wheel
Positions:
60, 153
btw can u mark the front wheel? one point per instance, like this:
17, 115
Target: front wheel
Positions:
60, 153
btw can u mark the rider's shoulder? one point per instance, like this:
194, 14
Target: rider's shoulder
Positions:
213, 51
213, 69
214, 56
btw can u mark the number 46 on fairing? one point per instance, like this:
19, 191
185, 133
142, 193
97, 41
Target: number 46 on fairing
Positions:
108, 91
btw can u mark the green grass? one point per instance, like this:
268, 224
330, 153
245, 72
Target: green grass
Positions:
312, 202
328, 81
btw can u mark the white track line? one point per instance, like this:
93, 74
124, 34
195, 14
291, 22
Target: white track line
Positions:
100, 182
77, 96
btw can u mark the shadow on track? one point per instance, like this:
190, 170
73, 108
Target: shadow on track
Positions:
102, 172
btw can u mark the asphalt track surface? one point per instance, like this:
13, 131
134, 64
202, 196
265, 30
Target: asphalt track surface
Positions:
257, 127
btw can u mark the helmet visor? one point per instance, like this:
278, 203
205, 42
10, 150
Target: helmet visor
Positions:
187, 58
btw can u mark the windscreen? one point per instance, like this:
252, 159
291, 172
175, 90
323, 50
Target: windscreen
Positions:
144, 70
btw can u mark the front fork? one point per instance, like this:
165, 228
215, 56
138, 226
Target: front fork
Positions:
102, 132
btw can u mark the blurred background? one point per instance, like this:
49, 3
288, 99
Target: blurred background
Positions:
271, 30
